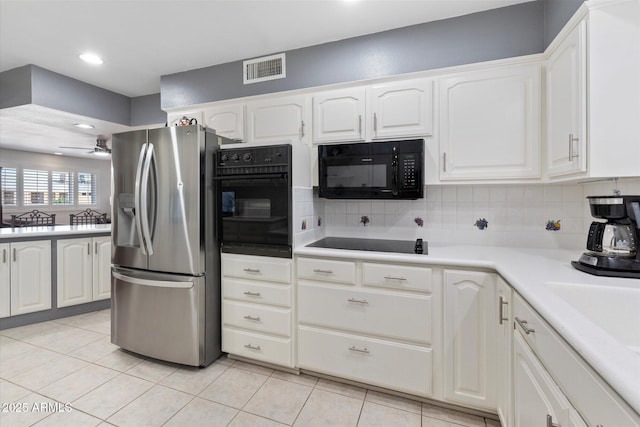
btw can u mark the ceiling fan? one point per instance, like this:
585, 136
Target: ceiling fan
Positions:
100, 149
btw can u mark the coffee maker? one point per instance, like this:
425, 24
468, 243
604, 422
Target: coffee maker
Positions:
613, 245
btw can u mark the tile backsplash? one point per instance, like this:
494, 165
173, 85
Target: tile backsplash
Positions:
537, 215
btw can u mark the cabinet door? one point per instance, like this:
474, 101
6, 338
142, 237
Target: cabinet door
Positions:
566, 105
536, 396
338, 115
277, 120
30, 276
101, 268
469, 338
504, 345
490, 124
227, 120
5, 277
401, 109
75, 271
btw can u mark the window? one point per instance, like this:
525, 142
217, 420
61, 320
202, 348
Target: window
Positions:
36, 187
62, 188
86, 188
9, 185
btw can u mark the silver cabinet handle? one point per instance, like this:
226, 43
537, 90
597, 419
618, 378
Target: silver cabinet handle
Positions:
252, 294
359, 350
359, 301
550, 422
317, 270
95, 248
252, 270
444, 162
523, 325
395, 278
248, 317
360, 124
252, 347
572, 139
375, 124
501, 313
89, 248
302, 129
15, 255
4, 256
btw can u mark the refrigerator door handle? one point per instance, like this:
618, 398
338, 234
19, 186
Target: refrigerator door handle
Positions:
143, 200
137, 201
155, 283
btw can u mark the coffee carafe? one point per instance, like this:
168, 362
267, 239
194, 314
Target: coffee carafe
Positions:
613, 245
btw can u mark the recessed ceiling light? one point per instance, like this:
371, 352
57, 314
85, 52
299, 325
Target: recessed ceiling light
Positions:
91, 58
58, 154
101, 153
83, 126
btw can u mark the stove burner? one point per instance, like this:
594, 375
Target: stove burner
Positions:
377, 245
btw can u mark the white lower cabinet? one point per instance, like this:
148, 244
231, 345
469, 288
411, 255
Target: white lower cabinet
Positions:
84, 270
256, 308
469, 338
504, 350
25, 277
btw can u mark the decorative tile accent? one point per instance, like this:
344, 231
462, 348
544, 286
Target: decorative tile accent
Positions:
553, 225
304, 224
418, 221
364, 220
481, 223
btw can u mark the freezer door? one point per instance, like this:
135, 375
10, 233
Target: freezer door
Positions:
127, 159
160, 316
176, 243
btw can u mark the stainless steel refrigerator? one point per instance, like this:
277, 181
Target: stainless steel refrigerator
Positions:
166, 263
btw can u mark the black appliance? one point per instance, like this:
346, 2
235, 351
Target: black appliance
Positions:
613, 245
372, 170
377, 245
255, 200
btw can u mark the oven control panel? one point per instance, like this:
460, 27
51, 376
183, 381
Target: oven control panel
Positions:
233, 161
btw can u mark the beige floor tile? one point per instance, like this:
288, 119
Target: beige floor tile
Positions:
244, 419
268, 402
112, 396
374, 415
10, 392
22, 332
394, 401
79, 383
234, 387
153, 408
74, 418
58, 367
340, 388
152, 370
452, 416
120, 360
95, 350
194, 380
10, 348
49, 335
31, 409
17, 365
253, 368
326, 409
303, 379
434, 422
70, 340
201, 412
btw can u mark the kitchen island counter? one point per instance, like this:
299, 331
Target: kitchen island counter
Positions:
530, 271
53, 231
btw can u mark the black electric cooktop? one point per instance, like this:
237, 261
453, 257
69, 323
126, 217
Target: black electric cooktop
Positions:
378, 245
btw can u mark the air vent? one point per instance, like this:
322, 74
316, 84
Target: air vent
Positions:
266, 68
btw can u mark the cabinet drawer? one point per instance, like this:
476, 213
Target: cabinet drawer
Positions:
255, 267
400, 367
327, 270
251, 291
380, 313
397, 277
258, 318
257, 346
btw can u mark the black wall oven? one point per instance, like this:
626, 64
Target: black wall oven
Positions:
255, 200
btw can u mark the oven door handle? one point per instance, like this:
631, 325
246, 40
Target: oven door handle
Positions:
252, 176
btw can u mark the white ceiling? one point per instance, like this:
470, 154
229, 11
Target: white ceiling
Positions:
140, 40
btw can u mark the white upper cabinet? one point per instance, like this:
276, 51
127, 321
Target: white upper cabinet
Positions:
227, 120
490, 123
338, 115
278, 120
566, 137
400, 109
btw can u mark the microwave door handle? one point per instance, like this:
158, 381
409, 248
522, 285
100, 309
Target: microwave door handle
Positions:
394, 172
137, 199
143, 200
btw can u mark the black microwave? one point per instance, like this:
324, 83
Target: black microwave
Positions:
372, 170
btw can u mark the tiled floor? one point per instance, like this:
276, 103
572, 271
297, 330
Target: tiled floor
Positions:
67, 372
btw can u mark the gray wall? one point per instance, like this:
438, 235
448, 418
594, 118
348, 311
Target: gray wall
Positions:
15, 87
556, 14
145, 110
499, 33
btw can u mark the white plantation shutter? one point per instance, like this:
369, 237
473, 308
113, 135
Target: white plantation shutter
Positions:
86, 188
62, 193
9, 185
35, 187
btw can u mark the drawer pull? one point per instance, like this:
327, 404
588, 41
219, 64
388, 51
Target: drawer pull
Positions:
550, 422
395, 278
252, 270
523, 325
252, 347
359, 350
252, 294
317, 270
501, 314
359, 301
248, 317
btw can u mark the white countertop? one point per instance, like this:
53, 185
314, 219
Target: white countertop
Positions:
527, 270
55, 230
